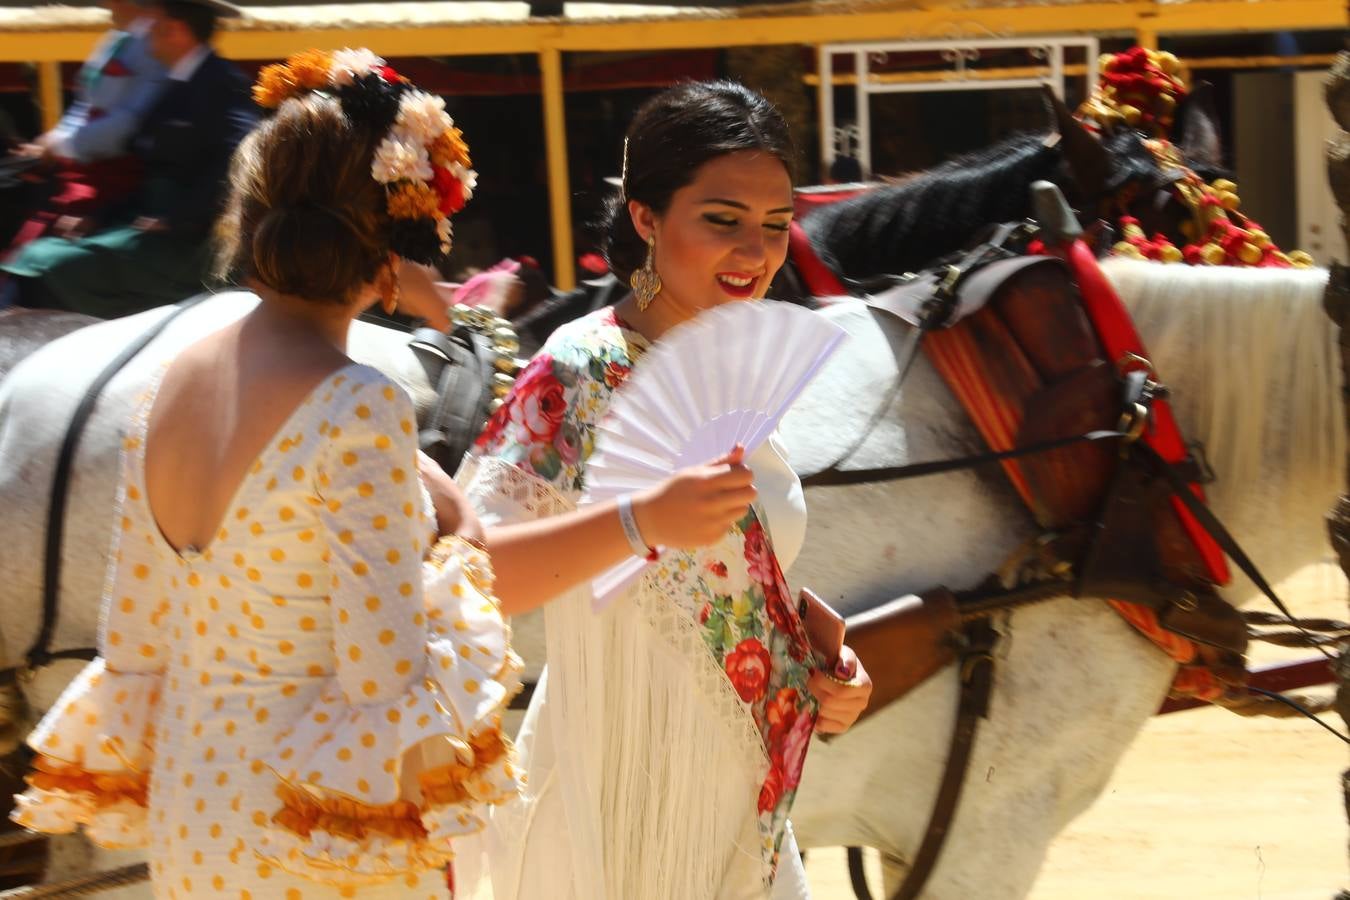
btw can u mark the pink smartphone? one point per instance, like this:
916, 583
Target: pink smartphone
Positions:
824, 627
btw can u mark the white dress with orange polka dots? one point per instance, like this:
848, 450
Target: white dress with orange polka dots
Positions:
308, 706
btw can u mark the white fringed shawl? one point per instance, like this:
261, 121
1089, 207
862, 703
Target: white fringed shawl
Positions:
644, 766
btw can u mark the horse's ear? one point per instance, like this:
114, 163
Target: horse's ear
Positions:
1195, 130
1083, 152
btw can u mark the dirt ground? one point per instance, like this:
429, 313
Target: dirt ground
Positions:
1206, 805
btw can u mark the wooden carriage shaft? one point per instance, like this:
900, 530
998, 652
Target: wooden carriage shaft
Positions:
826, 24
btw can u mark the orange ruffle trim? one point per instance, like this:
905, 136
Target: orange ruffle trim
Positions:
105, 789
444, 785
307, 808
304, 811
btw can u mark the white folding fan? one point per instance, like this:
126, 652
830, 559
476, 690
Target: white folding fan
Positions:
725, 378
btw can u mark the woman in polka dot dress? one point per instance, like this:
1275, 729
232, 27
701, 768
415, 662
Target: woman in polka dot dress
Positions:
301, 665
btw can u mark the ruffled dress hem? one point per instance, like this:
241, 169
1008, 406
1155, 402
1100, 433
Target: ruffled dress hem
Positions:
375, 791
93, 759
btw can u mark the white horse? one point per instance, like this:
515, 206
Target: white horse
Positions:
1254, 369
1253, 366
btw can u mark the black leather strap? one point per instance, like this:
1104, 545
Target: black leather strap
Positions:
40, 653
934, 298
977, 683
857, 875
1210, 522
835, 478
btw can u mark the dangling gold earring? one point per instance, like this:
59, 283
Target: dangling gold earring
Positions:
389, 294
646, 283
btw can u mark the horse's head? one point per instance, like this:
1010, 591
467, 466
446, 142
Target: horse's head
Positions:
1118, 175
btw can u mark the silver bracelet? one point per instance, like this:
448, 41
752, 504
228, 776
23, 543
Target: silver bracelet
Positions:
628, 521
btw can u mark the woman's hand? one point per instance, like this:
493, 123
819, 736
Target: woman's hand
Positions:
696, 506
537, 561
841, 704
454, 513
420, 298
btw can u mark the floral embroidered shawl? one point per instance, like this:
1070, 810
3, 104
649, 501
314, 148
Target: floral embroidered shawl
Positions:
734, 589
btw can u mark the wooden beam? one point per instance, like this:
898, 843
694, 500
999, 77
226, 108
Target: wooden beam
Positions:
824, 81
1306, 61
975, 76
1242, 17
50, 97
477, 39
944, 19
46, 46
559, 186
1219, 16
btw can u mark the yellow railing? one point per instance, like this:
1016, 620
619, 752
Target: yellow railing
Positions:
813, 25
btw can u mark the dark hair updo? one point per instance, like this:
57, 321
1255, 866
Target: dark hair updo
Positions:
671, 137
304, 216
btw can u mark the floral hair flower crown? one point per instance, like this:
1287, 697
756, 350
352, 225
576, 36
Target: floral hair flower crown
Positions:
422, 161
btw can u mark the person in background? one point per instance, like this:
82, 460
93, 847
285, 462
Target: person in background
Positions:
83, 161
845, 170
117, 85
155, 248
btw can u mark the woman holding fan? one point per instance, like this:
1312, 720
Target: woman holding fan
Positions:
302, 656
667, 739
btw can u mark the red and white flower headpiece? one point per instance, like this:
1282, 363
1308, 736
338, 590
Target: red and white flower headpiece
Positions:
422, 161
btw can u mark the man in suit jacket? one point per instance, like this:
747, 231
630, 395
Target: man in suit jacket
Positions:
159, 252
60, 180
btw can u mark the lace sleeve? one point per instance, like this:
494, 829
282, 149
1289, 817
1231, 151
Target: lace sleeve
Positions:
504, 493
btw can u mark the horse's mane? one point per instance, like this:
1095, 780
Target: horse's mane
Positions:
904, 227
901, 228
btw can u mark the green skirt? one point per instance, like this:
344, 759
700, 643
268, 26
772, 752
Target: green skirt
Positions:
115, 272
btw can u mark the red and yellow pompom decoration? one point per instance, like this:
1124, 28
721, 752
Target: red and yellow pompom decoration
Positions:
423, 161
1141, 89
1217, 233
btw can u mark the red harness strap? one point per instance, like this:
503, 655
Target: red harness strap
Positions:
984, 367
1112, 323
819, 280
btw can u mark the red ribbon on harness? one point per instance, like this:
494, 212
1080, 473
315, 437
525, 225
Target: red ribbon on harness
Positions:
820, 281
1119, 339
957, 360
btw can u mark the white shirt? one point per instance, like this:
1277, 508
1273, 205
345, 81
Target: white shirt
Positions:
63, 140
